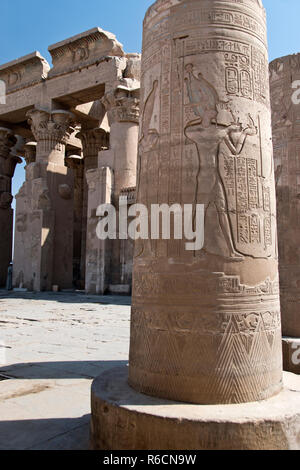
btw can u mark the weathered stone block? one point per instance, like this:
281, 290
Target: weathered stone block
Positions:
82, 50
24, 72
123, 419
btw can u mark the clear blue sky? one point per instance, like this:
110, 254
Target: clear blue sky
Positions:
28, 25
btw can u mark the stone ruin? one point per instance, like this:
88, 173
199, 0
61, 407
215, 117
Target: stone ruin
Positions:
205, 326
76, 126
284, 82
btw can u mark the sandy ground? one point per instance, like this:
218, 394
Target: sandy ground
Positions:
51, 348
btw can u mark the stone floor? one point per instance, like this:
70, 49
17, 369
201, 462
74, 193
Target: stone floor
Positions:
51, 347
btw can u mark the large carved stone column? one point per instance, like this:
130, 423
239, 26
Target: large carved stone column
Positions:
93, 141
122, 105
23, 254
98, 252
205, 326
50, 217
210, 318
75, 162
8, 163
284, 77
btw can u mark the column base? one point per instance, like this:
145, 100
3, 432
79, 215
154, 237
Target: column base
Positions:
123, 419
291, 354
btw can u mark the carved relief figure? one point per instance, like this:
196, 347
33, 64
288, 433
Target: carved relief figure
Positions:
215, 126
148, 141
149, 137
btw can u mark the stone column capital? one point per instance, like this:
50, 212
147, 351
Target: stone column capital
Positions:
93, 141
8, 163
75, 162
55, 126
30, 152
122, 104
7, 142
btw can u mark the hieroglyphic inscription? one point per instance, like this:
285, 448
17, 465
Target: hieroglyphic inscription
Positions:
165, 89
241, 183
252, 183
246, 76
240, 21
246, 67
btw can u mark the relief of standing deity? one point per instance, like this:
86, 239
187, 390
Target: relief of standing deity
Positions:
227, 179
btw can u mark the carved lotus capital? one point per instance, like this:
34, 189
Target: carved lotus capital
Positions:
54, 126
122, 105
93, 141
7, 142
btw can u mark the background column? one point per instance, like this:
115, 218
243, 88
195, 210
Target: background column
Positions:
93, 141
8, 163
284, 72
51, 201
122, 105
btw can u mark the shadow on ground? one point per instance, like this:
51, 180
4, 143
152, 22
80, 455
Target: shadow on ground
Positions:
59, 369
36, 399
45, 434
71, 297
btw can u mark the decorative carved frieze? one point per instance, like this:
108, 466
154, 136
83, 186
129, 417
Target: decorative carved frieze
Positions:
83, 50
24, 72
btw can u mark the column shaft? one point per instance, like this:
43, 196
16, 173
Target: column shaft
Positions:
8, 163
122, 105
93, 141
206, 323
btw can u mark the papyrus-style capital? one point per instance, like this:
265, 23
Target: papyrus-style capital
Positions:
54, 127
8, 163
7, 141
30, 152
93, 141
122, 104
84, 50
